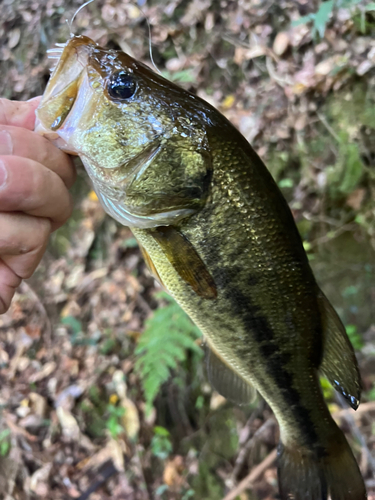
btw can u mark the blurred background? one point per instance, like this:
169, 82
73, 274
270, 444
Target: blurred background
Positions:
103, 393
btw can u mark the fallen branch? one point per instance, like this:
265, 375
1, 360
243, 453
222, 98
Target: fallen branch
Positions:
253, 476
363, 408
257, 471
248, 445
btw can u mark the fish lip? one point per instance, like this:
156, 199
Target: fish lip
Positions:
69, 69
73, 60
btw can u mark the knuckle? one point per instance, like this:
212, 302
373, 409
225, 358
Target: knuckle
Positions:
3, 110
34, 248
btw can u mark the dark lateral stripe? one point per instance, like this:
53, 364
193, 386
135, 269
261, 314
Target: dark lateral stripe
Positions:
275, 359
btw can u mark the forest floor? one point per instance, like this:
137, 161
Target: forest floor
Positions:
78, 420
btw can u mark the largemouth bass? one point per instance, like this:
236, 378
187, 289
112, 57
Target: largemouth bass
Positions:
218, 234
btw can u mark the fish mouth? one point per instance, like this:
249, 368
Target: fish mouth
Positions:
63, 87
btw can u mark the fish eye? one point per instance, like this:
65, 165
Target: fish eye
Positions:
121, 85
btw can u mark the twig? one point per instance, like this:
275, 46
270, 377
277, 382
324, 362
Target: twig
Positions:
283, 82
246, 448
253, 476
328, 127
333, 234
27, 289
146, 487
363, 408
257, 471
348, 417
103, 476
15, 429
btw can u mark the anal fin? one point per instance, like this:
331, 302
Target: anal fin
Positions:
226, 381
339, 364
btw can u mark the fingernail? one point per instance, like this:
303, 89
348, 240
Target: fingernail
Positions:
3, 175
6, 143
34, 98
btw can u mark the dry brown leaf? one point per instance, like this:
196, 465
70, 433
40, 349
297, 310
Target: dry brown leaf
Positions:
130, 419
69, 425
300, 122
216, 401
39, 479
172, 472
355, 199
281, 43
325, 67
113, 450
242, 54
38, 404
46, 370
364, 67
14, 38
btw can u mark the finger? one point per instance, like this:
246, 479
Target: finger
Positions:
9, 281
27, 186
21, 142
23, 242
19, 113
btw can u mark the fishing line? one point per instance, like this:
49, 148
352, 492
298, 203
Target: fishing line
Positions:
70, 25
74, 16
149, 40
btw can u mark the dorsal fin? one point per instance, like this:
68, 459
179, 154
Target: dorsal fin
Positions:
226, 381
339, 364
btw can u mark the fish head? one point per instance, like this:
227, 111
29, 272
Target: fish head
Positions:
140, 137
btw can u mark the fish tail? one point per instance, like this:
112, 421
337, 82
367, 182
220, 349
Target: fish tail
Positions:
327, 473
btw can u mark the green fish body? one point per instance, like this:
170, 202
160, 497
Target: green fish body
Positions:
218, 234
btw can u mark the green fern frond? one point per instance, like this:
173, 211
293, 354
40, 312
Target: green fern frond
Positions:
168, 336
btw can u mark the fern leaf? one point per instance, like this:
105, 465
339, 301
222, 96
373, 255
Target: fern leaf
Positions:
168, 336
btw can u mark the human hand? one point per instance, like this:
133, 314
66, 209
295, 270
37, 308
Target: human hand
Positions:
34, 199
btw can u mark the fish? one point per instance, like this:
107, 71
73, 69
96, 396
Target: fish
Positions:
217, 233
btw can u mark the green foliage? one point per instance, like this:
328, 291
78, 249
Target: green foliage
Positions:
113, 422
328, 390
129, 243
4, 442
206, 484
73, 323
161, 445
371, 394
100, 415
108, 346
183, 76
354, 337
285, 183
168, 336
320, 18
93, 418
345, 175
75, 326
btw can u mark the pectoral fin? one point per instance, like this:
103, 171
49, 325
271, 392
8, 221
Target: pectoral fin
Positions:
185, 260
150, 264
226, 381
339, 363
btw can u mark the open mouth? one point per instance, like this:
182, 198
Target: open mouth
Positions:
62, 89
